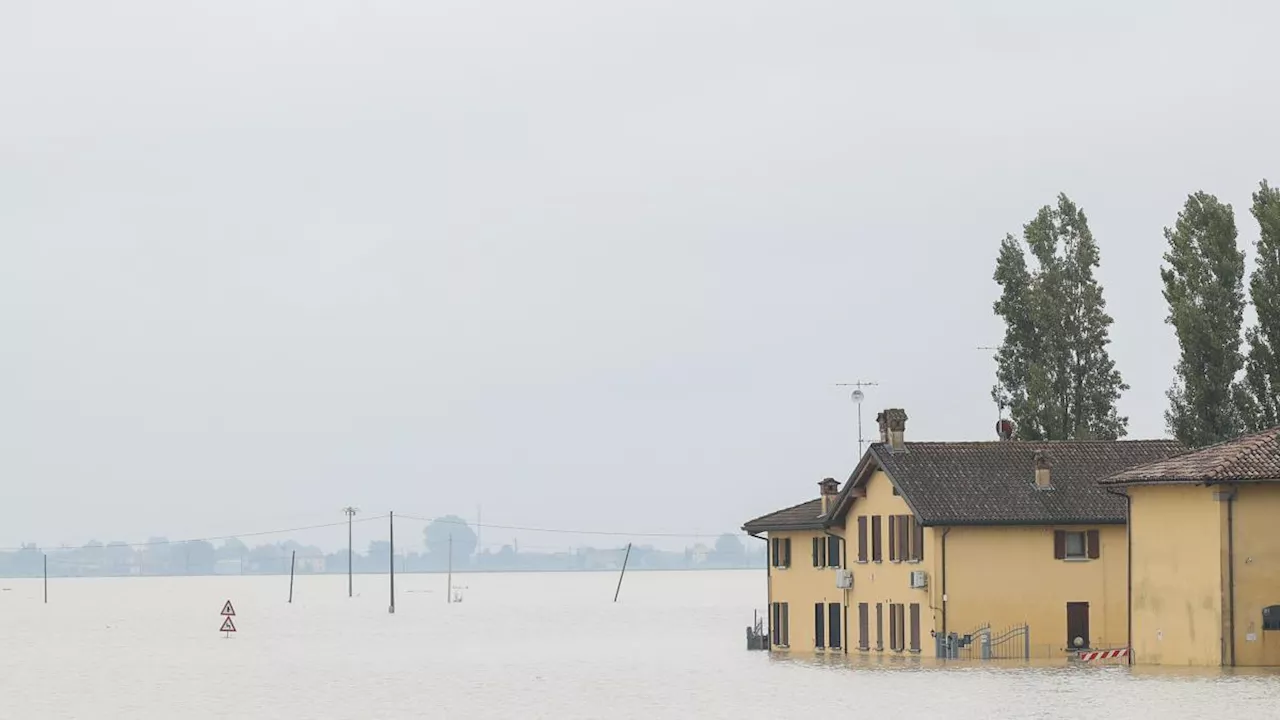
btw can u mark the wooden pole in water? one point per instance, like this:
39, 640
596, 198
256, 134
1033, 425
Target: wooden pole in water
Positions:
391, 559
292, 560
449, 589
46, 579
624, 572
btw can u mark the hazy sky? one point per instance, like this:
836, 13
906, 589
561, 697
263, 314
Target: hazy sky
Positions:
589, 264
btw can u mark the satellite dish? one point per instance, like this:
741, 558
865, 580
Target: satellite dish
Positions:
857, 396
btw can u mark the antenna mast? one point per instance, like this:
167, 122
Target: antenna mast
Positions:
858, 396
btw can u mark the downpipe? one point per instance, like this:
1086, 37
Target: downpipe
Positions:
844, 565
1128, 569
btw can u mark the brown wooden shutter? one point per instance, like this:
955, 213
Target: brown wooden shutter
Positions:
864, 629
776, 545
893, 538
904, 537
915, 627
819, 632
786, 622
902, 626
862, 538
1092, 540
875, 539
817, 552
1059, 544
917, 547
786, 556
833, 551
879, 626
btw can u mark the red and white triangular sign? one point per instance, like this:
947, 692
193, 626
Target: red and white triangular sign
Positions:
228, 626
228, 610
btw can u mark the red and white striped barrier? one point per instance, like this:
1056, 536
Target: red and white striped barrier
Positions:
1103, 654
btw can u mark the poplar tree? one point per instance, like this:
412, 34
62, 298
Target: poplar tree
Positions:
1204, 287
1262, 370
1054, 372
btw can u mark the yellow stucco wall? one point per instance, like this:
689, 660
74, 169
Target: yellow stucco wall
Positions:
888, 582
1177, 575
1006, 576
801, 586
1256, 532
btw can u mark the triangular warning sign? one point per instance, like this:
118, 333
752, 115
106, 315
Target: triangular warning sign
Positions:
228, 610
227, 625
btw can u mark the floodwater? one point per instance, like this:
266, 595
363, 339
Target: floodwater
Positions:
517, 646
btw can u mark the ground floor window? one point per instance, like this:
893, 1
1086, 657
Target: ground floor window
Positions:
779, 627
833, 625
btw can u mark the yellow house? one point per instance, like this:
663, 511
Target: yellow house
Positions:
962, 549
1204, 534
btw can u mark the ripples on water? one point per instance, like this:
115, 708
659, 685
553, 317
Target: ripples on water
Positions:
518, 646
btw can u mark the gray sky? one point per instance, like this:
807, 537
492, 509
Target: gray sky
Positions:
591, 264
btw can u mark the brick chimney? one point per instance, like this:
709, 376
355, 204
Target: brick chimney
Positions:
893, 424
1042, 465
828, 488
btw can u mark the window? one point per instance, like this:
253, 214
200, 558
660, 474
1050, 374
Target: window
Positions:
864, 626
1076, 545
862, 538
915, 627
819, 632
819, 553
781, 552
906, 539
833, 625
833, 551
781, 620
875, 539
917, 541
879, 626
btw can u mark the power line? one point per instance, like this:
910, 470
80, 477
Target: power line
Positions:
564, 531
153, 543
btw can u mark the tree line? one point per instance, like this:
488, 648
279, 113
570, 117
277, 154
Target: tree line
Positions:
1055, 376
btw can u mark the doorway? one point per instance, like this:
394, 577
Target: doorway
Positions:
1078, 625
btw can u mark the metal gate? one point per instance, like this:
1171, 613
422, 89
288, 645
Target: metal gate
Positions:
1012, 643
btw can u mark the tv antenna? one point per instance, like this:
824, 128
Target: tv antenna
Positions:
858, 396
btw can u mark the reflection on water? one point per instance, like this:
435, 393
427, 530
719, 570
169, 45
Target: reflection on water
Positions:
521, 646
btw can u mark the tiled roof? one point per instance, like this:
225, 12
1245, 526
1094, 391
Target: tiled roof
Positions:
1250, 458
993, 483
805, 516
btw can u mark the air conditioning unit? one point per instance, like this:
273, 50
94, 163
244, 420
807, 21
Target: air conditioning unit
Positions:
844, 579
919, 579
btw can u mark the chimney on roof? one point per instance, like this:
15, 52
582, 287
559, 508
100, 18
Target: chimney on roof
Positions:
893, 424
1042, 465
828, 488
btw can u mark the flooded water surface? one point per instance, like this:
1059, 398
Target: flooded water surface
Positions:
517, 646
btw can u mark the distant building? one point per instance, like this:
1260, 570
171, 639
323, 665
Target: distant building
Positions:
956, 549
1204, 529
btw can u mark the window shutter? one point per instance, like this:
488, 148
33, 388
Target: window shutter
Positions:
915, 627
862, 538
917, 550
786, 555
786, 622
1059, 544
777, 621
904, 537
864, 626
833, 626
879, 626
817, 552
1092, 540
902, 627
875, 539
819, 632
833, 551
773, 545
893, 538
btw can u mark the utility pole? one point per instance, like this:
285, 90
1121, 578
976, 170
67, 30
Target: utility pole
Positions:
449, 594
858, 396
351, 513
391, 558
